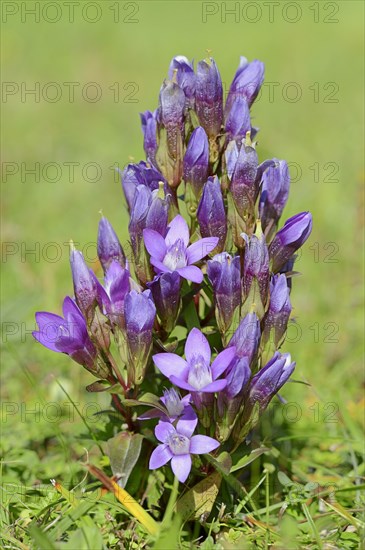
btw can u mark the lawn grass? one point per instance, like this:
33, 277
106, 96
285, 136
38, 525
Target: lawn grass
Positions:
306, 491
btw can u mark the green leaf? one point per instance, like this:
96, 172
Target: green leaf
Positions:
41, 539
200, 499
245, 460
123, 451
191, 316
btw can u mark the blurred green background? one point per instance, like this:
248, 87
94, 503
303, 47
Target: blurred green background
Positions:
312, 117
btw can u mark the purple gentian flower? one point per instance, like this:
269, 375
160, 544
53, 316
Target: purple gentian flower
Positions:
139, 315
173, 253
247, 337
246, 82
195, 374
196, 160
165, 289
268, 381
209, 97
177, 407
211, 213
224, 273
177, 444
171, 115
116, 287
274, 193
85, 287
289, 238
256, 265
67, 334
109, 247
139, 174
238, 121
185, 76
277, 316
149, 129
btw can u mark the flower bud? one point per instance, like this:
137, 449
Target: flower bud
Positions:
171, 115
139, 312
243, 182
211, 213
196, 160
109, 247
149, 129
149, 211
209, 97
256, 265
224, 275
277, 316
246, 83
139, 174
268, 381
247, 336
116, 285
238, 121
292, 236
85, 287
185, 76
274, 194
165, 290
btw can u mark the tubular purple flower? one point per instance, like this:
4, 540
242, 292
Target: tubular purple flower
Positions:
185, 76
67, 334
268, 381
149, 129
109, 247
165, 290
134, 175
139, 314
289, 238
195, 374
171, 115
274, 193
209, 97
225, 276
277, 316
85, 287
173, 253
247, 337
211, 213
243, 182
116, 286
246, 82
177, 444
196, 160
256, 265
238, 121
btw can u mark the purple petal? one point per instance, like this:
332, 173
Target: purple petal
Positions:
170, 363
200, 249
160, 456
178, 229
70, 308
181, 384
45, 340
186, 427
197, 344
201, 444
191, 273
181, 466
159, 265
155, 243
218, 385
164, 430
222, 361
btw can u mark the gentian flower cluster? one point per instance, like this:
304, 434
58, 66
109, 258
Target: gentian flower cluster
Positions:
191, 325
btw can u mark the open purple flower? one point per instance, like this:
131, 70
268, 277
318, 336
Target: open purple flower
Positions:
196, 374
172, 253
67, 334
177, 444
177, 407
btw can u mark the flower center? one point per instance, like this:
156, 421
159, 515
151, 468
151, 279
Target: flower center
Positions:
173, 403
175, 256
179, 444
200, 374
